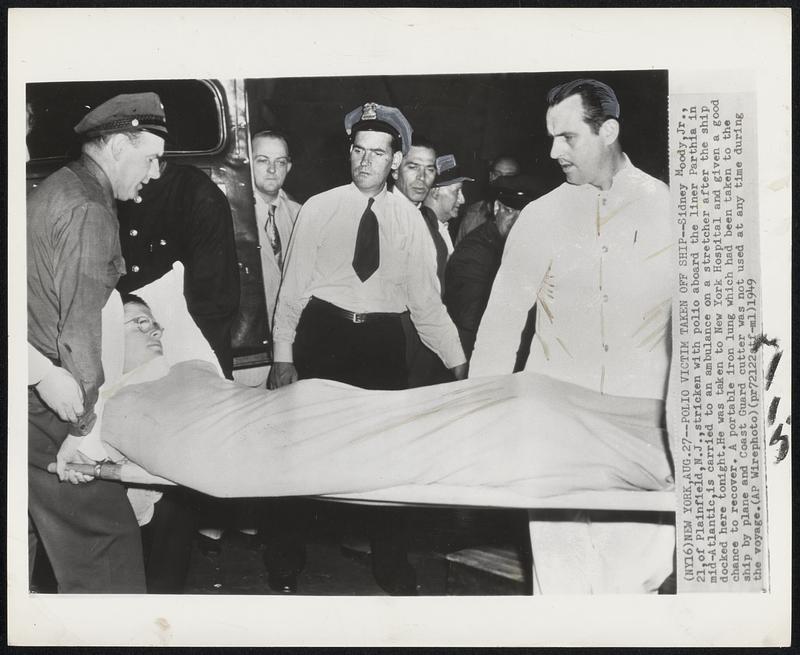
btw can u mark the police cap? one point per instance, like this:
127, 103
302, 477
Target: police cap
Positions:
128, 112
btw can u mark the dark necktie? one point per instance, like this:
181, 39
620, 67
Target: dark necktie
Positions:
367, 254
438, 241
272, 235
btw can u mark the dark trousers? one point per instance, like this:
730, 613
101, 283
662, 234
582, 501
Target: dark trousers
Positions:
167, 541
425, 367
370, 355
88, 531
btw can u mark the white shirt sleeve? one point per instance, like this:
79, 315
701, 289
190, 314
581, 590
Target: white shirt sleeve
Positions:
514, 292
298, 269
428, 313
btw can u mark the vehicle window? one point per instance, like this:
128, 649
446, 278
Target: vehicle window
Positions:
193, 109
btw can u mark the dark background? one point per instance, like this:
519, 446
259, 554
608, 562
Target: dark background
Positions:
475, 117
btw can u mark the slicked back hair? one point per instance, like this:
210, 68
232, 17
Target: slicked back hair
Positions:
599, 100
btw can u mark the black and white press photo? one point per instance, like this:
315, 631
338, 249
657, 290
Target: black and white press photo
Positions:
395, 339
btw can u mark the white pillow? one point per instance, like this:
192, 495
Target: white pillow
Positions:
182, 339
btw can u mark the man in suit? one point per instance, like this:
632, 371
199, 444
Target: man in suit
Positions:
275, 211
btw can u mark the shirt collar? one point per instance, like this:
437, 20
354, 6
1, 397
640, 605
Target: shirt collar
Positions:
380, 197
94, 168
263, 203
621, 178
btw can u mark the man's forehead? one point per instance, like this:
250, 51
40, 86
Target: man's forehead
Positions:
133, 309
421, 154
452, 188
569, 110
370, 139
269, 143
150, 142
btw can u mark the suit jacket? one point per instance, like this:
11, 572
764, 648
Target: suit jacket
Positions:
441, 248
469, 277
185, 217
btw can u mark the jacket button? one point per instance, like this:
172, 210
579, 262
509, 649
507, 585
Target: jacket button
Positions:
163, 242
133, 233
135, 268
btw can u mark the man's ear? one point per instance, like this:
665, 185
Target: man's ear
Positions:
288, 167
395, 174
117, 143
397, 157
609, 130
496, 207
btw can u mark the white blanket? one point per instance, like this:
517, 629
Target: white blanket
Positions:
523, 434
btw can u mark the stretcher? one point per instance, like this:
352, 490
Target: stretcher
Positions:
511, 441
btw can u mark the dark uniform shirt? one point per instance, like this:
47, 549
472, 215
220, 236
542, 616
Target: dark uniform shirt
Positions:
74, 262
185, 217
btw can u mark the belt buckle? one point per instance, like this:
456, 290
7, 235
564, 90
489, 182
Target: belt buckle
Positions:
359, 318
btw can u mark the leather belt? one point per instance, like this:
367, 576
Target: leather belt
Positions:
352, 317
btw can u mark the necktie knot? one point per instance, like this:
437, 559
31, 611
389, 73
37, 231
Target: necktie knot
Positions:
366, 257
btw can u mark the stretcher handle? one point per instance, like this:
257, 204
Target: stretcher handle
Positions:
126, 472
102, 470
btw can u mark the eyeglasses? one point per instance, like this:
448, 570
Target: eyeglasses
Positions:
279, 163
146, 324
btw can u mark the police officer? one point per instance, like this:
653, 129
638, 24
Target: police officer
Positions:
359, 257
74, 261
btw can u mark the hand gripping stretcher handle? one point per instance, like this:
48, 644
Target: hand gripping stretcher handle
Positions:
126, 472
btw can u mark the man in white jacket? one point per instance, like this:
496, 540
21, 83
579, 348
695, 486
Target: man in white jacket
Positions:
596, 257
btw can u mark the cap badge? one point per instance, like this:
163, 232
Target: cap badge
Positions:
135, 122
370, 111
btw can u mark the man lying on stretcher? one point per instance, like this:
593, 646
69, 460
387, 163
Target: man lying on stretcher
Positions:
525, 435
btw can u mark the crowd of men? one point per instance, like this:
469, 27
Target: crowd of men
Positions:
364, 284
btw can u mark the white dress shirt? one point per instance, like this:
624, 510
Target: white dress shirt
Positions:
319, 263
448, 241
599, 265
285, 215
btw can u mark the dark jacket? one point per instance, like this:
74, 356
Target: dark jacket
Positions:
185, 217
470, 273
